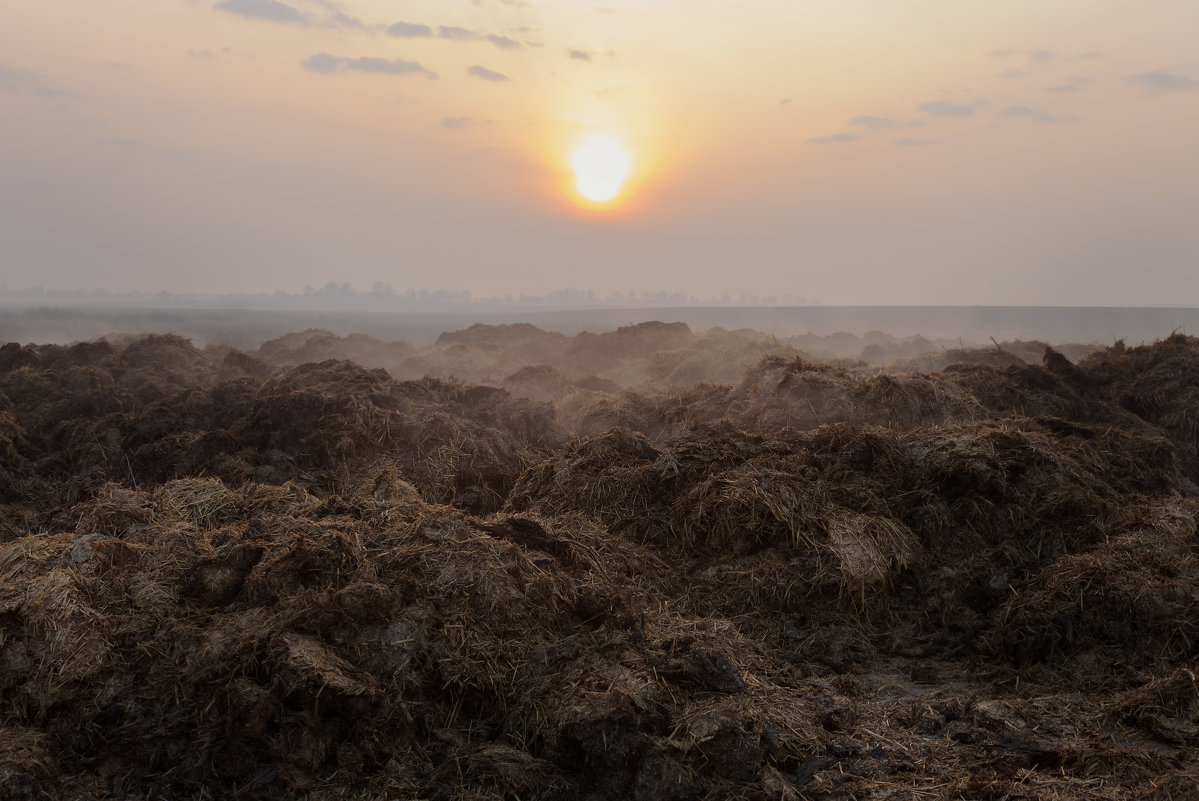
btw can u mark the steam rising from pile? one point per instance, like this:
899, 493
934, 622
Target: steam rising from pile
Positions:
263, 575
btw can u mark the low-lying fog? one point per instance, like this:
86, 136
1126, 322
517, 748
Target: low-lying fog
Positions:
832, 331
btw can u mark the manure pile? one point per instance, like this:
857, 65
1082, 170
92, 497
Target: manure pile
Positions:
231, 576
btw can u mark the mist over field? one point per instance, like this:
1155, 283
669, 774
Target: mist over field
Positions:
248, 325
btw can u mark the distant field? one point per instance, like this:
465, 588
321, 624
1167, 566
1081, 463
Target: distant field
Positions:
244, 328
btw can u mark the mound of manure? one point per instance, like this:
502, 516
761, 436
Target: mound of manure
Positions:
225, 580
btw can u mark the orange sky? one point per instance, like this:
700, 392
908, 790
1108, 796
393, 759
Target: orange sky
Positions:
862, 151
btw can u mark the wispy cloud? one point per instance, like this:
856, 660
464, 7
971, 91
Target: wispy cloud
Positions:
208, 55
906, 142
1071, 84
382, 66
326, 64
16, 80
944, 108
874, 123
336, 18
323, 63
844, 136
408, 30
579, 55
1026, 113
462, 123
414, 30
1010, 73
456, 34
320, 14
1160, 83
1041, 56
486, 74
271, 10
503, 42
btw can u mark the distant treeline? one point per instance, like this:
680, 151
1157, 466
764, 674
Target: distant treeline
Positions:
380, 297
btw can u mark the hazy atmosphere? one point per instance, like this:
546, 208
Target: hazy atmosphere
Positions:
858, 152
482, 400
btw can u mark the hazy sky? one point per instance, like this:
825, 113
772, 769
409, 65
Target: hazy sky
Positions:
857, 151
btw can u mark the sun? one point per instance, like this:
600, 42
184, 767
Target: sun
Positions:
601, 167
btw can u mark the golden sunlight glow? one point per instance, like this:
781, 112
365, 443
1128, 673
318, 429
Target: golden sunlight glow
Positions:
601, 166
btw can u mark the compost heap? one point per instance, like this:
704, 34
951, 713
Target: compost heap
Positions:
225, 579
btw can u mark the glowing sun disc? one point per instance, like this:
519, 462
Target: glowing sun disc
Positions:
601, 166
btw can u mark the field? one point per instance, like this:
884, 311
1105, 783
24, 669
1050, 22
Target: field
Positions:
647, 564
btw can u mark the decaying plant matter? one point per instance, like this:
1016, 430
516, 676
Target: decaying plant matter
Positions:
259, 577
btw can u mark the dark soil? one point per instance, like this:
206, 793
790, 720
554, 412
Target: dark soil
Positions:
283, 574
